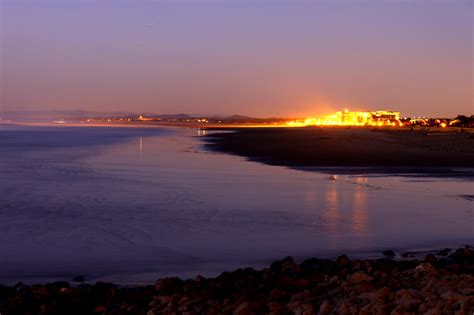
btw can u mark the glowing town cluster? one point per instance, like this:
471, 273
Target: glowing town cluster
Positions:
348, 118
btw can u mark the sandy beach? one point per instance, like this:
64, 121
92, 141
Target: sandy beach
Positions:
418, 149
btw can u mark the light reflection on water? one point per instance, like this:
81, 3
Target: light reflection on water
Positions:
158, 204
332, 204
359, 211
201, 132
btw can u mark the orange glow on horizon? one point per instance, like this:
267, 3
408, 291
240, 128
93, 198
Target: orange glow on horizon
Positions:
348, 118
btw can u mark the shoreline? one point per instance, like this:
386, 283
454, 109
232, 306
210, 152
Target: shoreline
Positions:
349, 150
438, 283
210, 269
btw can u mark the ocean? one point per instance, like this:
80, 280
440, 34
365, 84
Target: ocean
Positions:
131, 205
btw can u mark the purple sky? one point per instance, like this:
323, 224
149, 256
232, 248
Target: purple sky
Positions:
250, 57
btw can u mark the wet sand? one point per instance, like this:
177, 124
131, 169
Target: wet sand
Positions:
388, 149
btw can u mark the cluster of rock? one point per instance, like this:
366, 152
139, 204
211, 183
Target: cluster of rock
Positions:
435, 285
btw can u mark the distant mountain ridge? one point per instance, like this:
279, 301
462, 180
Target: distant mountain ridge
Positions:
56, 114
83, 114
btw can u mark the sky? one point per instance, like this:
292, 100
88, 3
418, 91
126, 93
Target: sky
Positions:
251, 57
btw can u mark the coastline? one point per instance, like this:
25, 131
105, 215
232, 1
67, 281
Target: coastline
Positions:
62, 297
350, 150
440, 283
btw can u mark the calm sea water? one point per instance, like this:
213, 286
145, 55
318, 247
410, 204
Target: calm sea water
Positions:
130, 205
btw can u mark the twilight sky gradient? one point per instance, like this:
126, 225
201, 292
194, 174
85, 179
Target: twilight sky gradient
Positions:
250, 57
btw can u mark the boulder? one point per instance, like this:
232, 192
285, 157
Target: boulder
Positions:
78, 279
168, 286
430, 258
343, 261
359, 277
388, 253
325, 308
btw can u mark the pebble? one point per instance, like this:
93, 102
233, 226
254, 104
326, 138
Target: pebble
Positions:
432, 286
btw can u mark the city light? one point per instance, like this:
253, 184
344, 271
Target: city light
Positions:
348, 118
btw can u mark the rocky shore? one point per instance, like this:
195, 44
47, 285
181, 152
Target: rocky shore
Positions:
441, 283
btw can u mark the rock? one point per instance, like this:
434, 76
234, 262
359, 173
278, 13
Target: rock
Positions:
334, 279
300, 296
229, 309
168, 286
463, 256
451, 295
346, 308
388, 253
164, 300
430, 258
100, 309
406, 294
226, 302
276, 295
444, 252
363, 287
170, 309
434, 311
382, 294
287, 265
467, 291
209, 302
310, 264
454, 267
293, 305
185, 300
60, 284
424, 307
245, 308
300, 283
65, 290
199, 279
175, 298
378, 308
274, 308
367, 266
78, 279
214, 310
408, 304
343, 261
424, 268
304, 309
359, 277
325, 308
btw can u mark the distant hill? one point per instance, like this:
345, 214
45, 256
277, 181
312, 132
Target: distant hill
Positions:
57, 114
76, 115
171, 116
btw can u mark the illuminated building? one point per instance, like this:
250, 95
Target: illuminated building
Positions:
348, 118
143, 118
